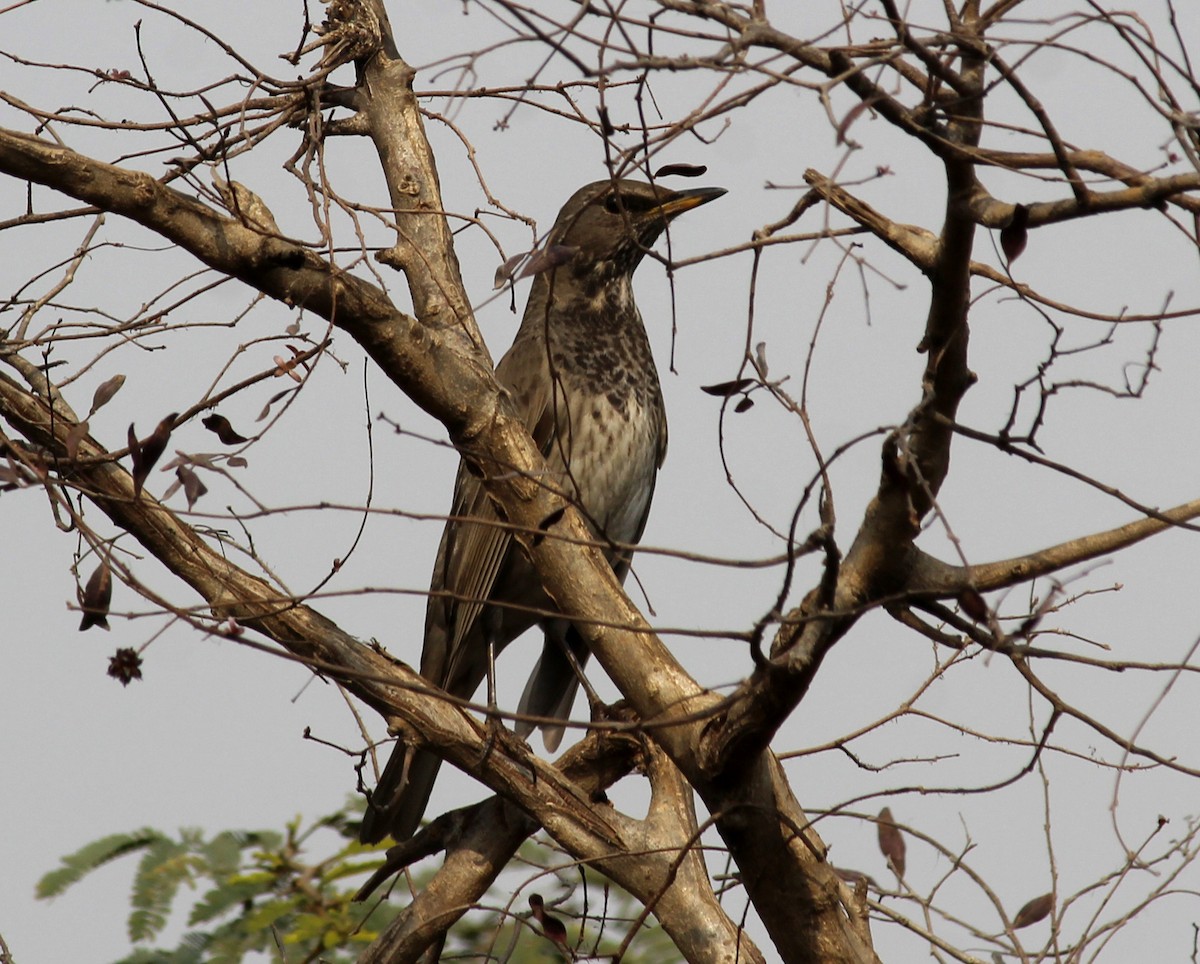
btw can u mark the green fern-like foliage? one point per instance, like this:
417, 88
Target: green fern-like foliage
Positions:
248, 891
289, 895
93, 856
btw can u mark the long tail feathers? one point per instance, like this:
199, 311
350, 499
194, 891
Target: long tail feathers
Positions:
551, 689
398, 802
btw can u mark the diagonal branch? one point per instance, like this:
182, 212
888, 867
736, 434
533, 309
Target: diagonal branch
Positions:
931, 577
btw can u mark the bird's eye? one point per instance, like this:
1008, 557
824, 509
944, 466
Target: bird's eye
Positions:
612, 204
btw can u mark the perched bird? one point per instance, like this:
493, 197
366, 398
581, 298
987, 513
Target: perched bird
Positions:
581, 374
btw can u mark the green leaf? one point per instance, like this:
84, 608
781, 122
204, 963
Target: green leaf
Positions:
265, 914
228, 895
163, 867
91, 856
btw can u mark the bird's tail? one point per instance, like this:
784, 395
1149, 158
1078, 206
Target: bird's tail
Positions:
398, 802
551, 689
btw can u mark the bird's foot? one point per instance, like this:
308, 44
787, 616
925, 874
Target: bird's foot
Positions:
498, 736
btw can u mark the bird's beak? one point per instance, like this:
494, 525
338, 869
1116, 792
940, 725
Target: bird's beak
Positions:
682, 201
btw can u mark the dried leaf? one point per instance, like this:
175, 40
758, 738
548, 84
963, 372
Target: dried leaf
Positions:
274, 398
504, 273
606, 125
725, 389
75, 437
744, 405
125, 665
193, 488
293, 328
891, 841
760, 359
286, 366
854, 876
681, 170
973, 604
1015, 235
552, 928
135, 456
546, 258
298, 357
1034, 911
848, 121
96, 598
219, 425
147, 452
204, 460
236, 462
1025, 630
105, 392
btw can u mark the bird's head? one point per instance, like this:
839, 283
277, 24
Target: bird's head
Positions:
609, 225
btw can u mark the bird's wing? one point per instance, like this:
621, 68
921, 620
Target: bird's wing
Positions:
470, 556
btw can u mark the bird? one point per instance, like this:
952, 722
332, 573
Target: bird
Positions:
581, 375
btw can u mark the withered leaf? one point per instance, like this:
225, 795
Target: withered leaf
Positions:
75, 437
854, 876
725, 389
1034, 911
1015, 235
149, 450
847, 122
891, 841
135, 456
681, 170
125, 665
96, 598
973, 604
219, 425
271, 401
286, 366
205, 460
293, 328
744, 405
1025, 630
193, 488
505, 272
546, 258
606, 125
760, 358
236, 462
552, 928
104, 393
